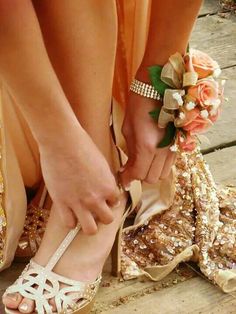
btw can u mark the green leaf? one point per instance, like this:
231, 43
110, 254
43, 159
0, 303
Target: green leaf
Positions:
155, 113
155, 77
169, 136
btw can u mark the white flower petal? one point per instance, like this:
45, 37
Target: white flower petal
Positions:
213, 112
174, 148
217, 72
181, 139
178, 98
204, 114
223, 82
215, 102
190, 105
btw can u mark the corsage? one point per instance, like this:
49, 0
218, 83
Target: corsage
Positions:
191, 96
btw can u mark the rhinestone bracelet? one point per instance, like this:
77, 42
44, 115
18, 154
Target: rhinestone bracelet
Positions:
144, 89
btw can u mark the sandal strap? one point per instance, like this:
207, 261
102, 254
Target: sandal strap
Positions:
41, 285
117, 116
62, 248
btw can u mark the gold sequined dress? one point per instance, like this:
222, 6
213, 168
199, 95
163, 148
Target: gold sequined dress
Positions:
181, 218
194, 220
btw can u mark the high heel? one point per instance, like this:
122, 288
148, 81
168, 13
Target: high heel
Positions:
133, 203
41, 284
35, 224
115, 258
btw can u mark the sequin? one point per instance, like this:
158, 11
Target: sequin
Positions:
201, 214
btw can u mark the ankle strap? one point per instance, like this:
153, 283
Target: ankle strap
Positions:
62, 248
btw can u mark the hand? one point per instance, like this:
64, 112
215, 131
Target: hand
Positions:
79, 181
146, 162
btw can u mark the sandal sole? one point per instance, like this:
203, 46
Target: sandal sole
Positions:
84, 310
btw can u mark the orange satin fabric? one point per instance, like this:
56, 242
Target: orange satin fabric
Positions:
133, 23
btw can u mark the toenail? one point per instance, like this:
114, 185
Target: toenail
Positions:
23, 307
12, 296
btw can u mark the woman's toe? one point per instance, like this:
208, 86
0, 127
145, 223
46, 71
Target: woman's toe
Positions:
53, 305
26, 306
11, 300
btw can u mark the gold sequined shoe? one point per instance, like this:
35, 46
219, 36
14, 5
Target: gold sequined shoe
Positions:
41, 284
35, 224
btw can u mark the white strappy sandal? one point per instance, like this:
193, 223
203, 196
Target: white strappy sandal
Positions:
41, 284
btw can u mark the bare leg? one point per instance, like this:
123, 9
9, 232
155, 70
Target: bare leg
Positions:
82, 53
80, 37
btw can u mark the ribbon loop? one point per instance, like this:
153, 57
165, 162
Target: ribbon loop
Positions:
177, 63
170, 76
173, 99
190, 79
165, 117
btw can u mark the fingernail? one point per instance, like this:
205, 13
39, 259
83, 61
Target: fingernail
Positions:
121, 169
12, 296
127, 187
24, 307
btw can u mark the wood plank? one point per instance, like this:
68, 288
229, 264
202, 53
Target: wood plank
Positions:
216, 36
210, 7
114, 293
224, 130
222, 164
192, 296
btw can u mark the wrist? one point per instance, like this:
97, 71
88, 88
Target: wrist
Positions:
59, 133
143, 75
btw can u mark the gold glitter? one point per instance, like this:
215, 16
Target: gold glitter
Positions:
201, 214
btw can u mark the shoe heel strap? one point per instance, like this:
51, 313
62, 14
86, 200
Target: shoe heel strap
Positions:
135, 190
62, 248
117, 116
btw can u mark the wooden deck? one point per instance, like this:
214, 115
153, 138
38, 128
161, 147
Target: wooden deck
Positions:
184, 290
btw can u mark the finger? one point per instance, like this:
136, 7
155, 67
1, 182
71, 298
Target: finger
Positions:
137, 170
104, 213
170, 160
87, 221
113, 198
130, 152
67, 216
156, 167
